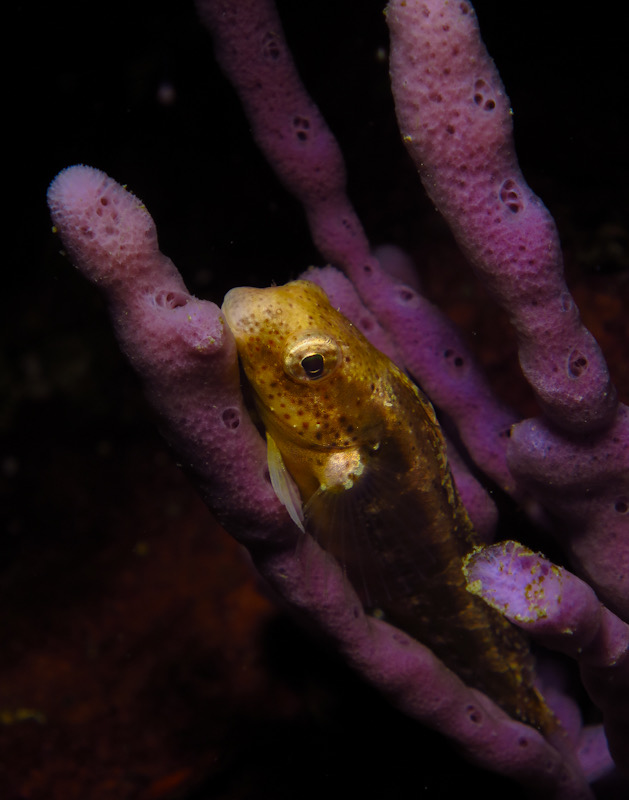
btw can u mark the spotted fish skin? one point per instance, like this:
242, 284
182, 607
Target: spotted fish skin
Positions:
364, 448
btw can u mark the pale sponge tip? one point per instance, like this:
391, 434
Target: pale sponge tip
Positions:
74, 185
104, 228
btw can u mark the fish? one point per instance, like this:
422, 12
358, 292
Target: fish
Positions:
357, 456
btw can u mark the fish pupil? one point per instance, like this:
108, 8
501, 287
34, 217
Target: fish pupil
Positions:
313, 365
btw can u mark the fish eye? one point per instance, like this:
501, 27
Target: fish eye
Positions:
311, 357
313, 365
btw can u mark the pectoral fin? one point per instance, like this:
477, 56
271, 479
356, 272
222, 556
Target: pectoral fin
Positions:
376, 534
283, 484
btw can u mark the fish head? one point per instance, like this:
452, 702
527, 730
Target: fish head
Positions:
313, 374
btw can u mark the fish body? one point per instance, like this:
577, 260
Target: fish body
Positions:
366, 453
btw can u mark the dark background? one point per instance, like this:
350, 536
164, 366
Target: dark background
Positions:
138, 658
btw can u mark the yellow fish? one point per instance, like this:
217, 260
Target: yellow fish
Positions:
366, 453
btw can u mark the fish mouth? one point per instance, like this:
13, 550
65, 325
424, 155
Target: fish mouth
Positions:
239, 305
